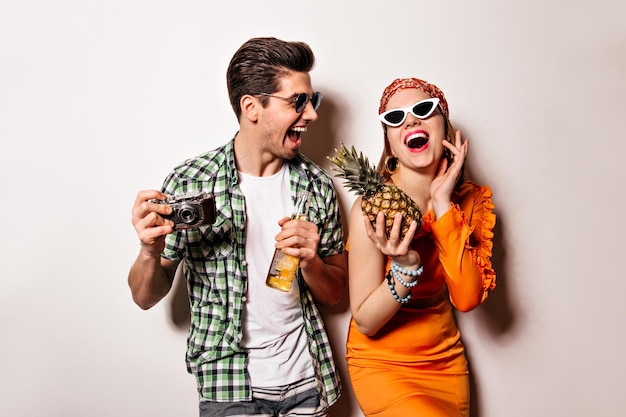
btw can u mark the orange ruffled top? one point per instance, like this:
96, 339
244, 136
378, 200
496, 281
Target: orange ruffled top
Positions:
422, 336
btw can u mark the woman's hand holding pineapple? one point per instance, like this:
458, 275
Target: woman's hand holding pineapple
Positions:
393, 246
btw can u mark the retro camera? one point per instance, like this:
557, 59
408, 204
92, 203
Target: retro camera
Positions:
190, 210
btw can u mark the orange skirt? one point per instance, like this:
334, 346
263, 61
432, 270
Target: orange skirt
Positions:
415, 365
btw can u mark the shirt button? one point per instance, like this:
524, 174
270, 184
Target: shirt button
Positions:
244, 299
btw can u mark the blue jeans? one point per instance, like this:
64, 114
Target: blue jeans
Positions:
297, 399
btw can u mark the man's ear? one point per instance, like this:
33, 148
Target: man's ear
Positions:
250, 107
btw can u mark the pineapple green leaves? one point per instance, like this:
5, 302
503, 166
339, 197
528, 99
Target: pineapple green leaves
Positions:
362, 178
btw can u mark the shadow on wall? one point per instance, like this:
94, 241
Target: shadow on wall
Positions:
321, 138
180, 312
497, 312
496, 315
319, 143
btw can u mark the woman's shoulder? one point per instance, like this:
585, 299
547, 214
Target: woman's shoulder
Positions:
470, 190
475, 202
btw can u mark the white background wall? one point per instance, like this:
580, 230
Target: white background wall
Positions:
100, 99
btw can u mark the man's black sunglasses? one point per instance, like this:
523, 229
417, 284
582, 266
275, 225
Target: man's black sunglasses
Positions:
300, 101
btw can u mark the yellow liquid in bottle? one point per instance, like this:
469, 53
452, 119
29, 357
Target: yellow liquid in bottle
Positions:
283, 269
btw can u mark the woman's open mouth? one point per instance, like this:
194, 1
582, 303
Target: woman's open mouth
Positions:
416, 141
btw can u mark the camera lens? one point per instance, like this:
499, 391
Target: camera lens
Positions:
188, 214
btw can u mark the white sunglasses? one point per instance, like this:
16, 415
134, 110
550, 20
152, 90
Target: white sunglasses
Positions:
421, 110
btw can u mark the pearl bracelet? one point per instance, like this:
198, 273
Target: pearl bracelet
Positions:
411, 273
401, 300
403, 282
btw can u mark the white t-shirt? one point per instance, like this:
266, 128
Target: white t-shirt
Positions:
273, 326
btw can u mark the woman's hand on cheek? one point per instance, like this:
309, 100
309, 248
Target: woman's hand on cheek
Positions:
442, 187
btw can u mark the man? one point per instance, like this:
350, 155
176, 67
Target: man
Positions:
254, 350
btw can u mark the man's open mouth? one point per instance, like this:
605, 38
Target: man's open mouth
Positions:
295, 133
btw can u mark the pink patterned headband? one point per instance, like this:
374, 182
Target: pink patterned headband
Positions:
404, 83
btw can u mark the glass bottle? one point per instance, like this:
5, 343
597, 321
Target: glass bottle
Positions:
283, 268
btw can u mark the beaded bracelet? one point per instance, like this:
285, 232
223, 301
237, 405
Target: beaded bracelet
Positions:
411, 273
401, 300
402, 281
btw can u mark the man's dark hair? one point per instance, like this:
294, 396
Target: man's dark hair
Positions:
260, 63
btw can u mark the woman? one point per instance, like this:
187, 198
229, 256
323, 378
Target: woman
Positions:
404, 352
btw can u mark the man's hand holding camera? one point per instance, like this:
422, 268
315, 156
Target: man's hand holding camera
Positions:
149, 221
156, 214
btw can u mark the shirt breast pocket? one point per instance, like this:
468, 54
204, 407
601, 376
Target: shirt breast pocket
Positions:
218, 239
215, 240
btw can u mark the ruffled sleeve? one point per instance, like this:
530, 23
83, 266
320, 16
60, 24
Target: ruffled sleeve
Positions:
464, 239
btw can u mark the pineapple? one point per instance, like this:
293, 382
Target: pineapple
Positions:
360, 177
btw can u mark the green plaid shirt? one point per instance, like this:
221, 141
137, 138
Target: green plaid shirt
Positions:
216, 272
